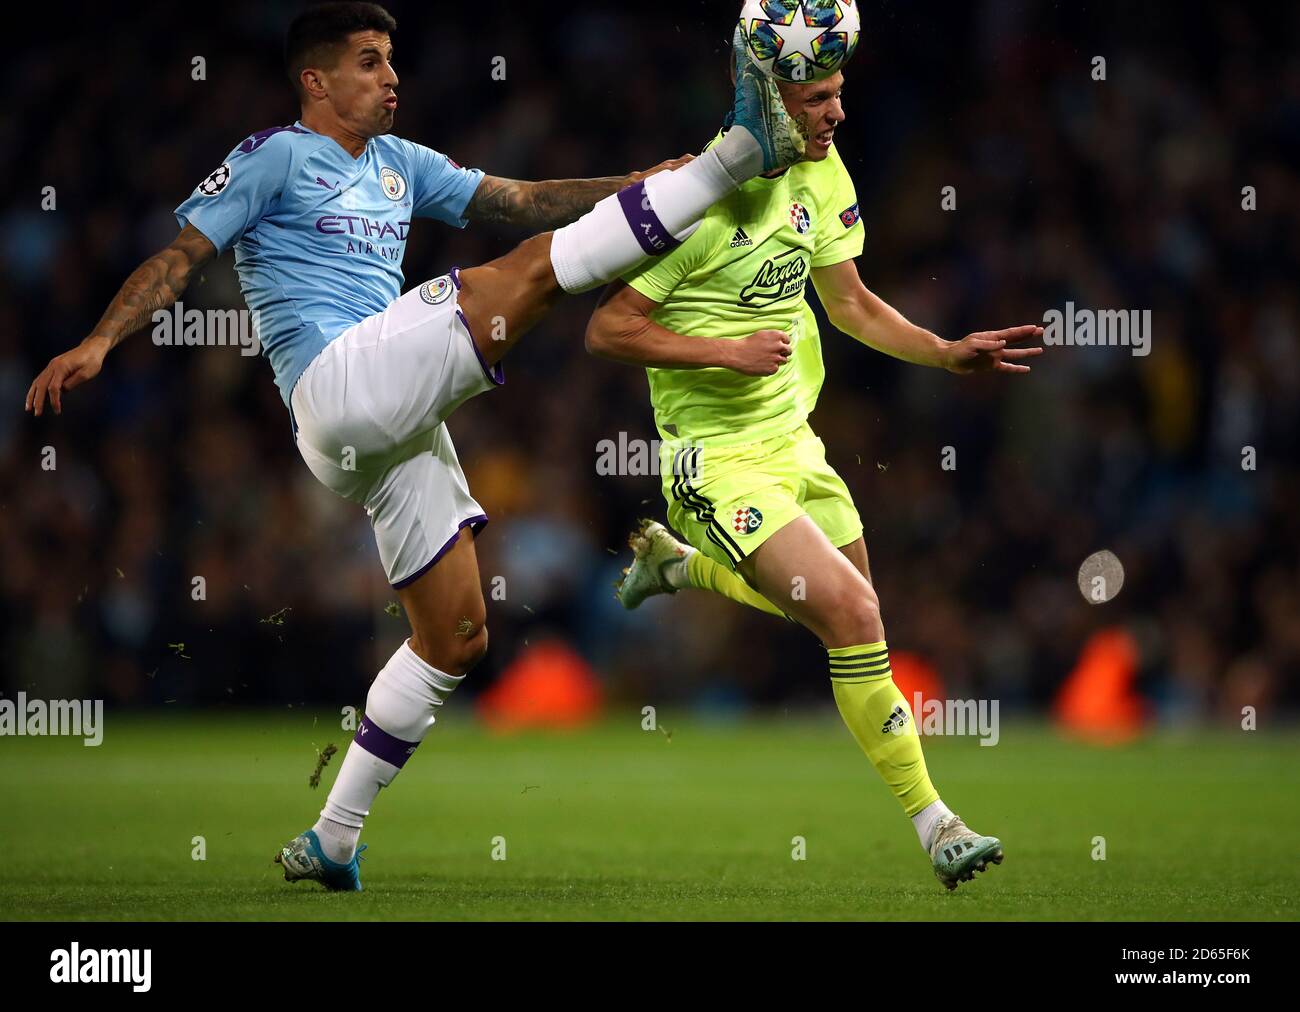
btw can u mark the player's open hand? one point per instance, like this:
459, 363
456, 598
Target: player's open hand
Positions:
64, 372
992, 351
760, 354
668, 166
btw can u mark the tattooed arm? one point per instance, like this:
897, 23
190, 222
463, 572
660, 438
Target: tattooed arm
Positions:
155, 284
550, 204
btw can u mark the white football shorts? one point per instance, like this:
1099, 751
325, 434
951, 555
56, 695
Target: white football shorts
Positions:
370, 415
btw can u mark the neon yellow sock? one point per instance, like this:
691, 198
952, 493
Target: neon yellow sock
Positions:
704, 573
881, 721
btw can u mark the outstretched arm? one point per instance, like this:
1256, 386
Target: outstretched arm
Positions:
552, 203
155, 284
621, 329
867, 318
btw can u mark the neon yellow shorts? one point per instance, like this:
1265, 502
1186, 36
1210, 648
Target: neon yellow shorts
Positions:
727, 500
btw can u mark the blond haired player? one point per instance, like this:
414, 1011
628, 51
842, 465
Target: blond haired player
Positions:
734, 361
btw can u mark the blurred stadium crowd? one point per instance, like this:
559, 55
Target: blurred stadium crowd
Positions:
1123, 193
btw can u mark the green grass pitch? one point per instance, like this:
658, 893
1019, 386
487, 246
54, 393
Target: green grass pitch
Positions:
618, 823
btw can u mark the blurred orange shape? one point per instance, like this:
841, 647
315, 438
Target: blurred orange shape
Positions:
1098, 701
913, 674
548, 685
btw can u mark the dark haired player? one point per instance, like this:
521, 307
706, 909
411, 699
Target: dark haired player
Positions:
318, 214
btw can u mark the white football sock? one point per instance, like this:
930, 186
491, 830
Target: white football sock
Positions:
740, 154
676, 572
399, 713
926, 819
640, 221
339, 842
681, 197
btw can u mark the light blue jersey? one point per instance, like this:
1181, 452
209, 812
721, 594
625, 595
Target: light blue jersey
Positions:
319, 236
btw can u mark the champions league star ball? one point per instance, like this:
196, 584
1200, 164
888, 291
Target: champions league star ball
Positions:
798, 41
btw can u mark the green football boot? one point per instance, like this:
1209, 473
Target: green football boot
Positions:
957, 853
653, 547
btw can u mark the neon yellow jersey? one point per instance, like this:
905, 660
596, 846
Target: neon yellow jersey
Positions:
745, 269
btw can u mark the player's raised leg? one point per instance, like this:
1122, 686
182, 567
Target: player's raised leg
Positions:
504, 298
839, 604
653, 216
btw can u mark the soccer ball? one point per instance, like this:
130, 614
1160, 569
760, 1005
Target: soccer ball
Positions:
798, 41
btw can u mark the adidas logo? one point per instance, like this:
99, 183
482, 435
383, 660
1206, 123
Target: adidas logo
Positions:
740, 239
896, 722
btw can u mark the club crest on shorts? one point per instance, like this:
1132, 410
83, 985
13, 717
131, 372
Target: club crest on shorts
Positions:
394, 185
215, 181
747, 520
800, 219
437, 291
